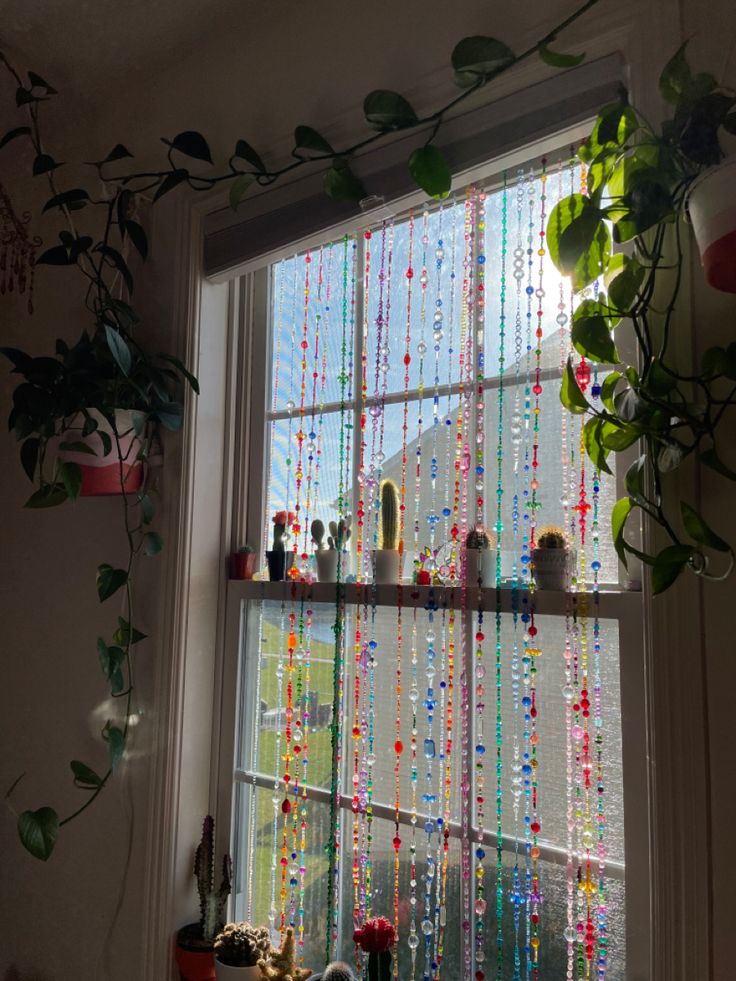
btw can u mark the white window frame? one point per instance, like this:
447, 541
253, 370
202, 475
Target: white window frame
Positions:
617, 603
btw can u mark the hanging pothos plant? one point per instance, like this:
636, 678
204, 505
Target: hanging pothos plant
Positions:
109, 367
637, 186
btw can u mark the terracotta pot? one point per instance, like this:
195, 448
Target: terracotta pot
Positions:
194, 958
712, 210
242, 565
100, 473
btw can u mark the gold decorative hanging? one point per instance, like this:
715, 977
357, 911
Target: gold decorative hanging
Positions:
17, 250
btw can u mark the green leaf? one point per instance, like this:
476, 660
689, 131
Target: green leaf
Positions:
668, 565
77, 446
729, 123
118, 152
431, 172
238, 189
38, 831
714, 362
118, 262
658, 381
71, 477
121, 634
624, 279
73, 200
109, 581
13, 134
246, 152
676, 77
106, 441
479, 58
119, 349
385, 110
116, 742
48, 496
618, 437
170, 415
43, 164
179, 365
699, 531
634, 480
730, 370
137, 236
711, 459
306, 138
84, 776
591, 440
191, 144
608, 389
570, 395
670, 455
29, 456
557, 60
341, 184
169, 182
111, 660
148, 509
591, 334
37, 82
152, 543
619, 516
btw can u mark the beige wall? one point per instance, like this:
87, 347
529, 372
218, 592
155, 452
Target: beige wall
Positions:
277, 65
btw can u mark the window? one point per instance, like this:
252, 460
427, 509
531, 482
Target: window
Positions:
446, 755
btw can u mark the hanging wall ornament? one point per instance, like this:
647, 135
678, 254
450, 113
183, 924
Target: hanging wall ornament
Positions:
17, 250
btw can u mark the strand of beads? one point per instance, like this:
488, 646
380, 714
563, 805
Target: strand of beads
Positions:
313, 437
421, 351
438, 334
528, 518
277, 798
300, 435
447, 510
413, 699
429, 798
287, 760
445, 725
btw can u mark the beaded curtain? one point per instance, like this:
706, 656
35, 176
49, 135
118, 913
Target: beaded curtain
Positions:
466, 752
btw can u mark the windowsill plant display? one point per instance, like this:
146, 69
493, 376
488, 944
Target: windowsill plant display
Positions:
552, 559
278, 559
479, 557
195, 942
387, 557
238, 949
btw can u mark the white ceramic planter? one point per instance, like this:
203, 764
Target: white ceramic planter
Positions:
480, 563
552, 567
326, 561
226, 972
387, 565
100, 473
712, 210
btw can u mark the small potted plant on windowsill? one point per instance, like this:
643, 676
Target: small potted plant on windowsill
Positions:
479, 557
242, 563
325, 557
238, 949
281, 965
279, 562
387, 557
552, 559
195, 956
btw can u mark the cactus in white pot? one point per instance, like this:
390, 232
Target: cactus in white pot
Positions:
387, 557
553, 559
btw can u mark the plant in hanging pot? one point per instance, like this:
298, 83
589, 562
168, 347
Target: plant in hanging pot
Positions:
552, 559
711, 206
479, 557
195, 956
279, 561
387, 557
238, 949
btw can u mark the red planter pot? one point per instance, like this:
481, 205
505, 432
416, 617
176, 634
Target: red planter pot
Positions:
242, 565
100, 473
194, 958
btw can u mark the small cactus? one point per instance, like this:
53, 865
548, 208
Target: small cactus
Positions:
282, 966
338, 971
280, 521
241, 945
318, 533
340, 533
551, 537
211, 901
480, 538
389, 515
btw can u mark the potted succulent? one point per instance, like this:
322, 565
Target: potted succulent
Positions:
479, 557
238, 949
387, 557
242, 563
376, 937
281, 964
552, 559
195, 942
278, 562
325, 556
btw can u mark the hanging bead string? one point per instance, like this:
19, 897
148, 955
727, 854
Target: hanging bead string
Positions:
278, 796
447, 510
421, 350
447, 759
537, 389
398, 743
529, 289
463, 462
598, 726
413, 699
429, 798
17, 250
300, 434
438, 334
312, 437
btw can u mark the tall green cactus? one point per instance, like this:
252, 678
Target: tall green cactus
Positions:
389, 515
211, 901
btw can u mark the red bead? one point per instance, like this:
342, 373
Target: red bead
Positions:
286, 806
536, 827
398, 747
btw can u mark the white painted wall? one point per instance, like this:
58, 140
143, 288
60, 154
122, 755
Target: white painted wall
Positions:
275, 66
